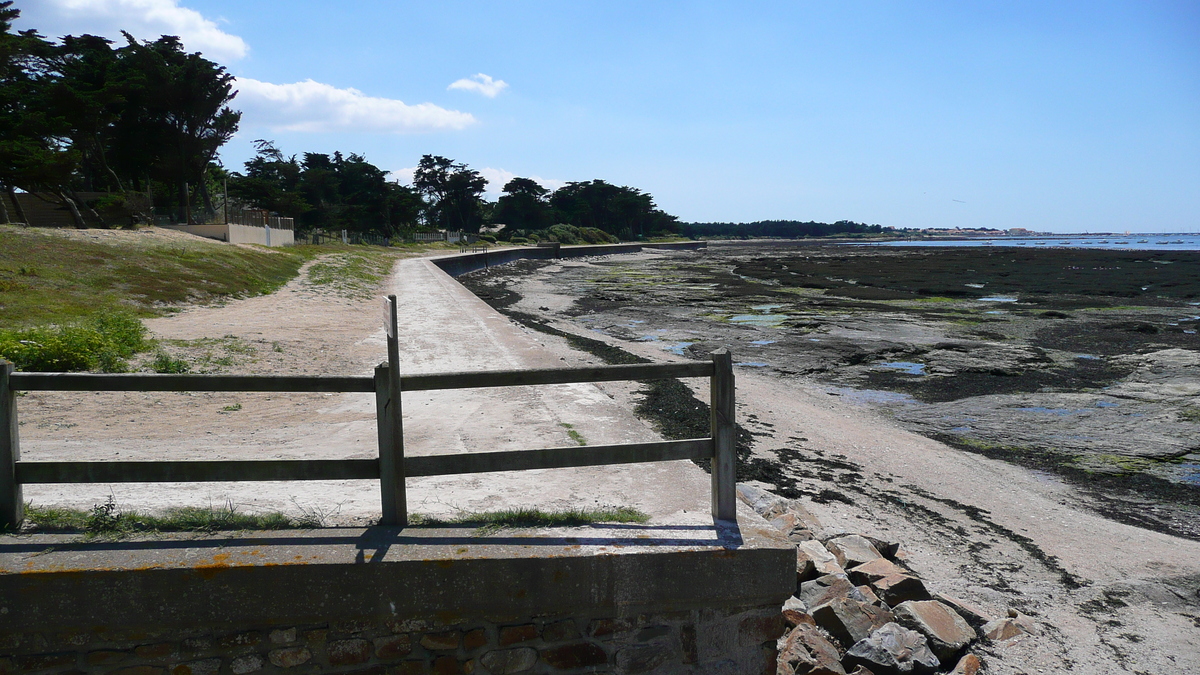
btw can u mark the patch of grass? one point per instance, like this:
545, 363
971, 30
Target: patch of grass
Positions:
488, 522
48, 278
109, 520
102, 342
575, 435
355, 274
165, 363
232, 408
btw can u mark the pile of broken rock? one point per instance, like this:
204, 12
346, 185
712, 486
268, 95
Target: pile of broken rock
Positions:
858, 610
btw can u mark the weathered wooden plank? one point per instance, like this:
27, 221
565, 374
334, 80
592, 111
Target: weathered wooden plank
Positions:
554, 458
12, 504
195, 471
511, 378
140, 382
315, 383
724, 433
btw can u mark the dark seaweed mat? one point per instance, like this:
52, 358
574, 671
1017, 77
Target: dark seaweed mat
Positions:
1092, 278
1084, 374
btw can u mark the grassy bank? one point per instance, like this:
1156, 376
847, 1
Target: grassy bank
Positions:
73, 300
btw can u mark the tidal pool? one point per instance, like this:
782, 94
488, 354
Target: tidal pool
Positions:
906, 366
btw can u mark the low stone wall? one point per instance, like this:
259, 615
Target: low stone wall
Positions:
385, 601
730, 640
240, 234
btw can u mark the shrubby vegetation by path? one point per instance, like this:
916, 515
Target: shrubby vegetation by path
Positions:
100, 343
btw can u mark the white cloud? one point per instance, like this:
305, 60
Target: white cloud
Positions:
318, 107
403, 176
481, 83
144, 19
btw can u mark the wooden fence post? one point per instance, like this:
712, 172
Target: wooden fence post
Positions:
391, 426
12, 505
724, 461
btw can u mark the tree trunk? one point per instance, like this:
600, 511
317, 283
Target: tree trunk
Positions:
21, 217
90, 210
206, 198
4, 208
79, 224
185, 209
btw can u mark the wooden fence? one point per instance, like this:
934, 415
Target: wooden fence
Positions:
391, 467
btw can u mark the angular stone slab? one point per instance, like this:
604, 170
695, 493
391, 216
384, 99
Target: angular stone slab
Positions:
807, 652
826, 589
974, 615
897, 588
874, 570
948, 633
852, 549
814, 560
892, 650
850, 620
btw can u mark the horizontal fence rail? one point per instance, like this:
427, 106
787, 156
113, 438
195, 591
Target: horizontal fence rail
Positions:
391, 466
328, 384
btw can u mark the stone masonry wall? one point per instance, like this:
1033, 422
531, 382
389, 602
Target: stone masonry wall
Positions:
740, 640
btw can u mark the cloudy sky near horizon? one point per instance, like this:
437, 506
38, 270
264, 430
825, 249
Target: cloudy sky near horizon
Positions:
1068, 116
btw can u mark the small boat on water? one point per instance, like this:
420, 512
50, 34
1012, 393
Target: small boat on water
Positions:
1102, 241
1143, 241
1177, 241
1160, 243
1065, 243
1121, 242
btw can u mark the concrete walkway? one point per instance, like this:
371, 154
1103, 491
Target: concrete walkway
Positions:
444, 327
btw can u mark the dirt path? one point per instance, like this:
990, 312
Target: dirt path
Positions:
310, 329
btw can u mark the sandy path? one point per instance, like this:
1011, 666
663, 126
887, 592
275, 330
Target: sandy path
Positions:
306, 329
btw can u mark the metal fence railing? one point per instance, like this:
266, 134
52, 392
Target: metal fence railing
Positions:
391, 467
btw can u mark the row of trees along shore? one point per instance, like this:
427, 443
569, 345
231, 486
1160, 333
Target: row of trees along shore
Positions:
348, 192
141, 124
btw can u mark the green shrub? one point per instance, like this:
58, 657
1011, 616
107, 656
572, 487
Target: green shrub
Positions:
488, 238
101, 343
571, 235
165, 363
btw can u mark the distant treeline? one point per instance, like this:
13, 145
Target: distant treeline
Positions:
783, 229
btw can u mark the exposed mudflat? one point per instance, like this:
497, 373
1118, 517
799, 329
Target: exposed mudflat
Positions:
1082, 364
1031, 448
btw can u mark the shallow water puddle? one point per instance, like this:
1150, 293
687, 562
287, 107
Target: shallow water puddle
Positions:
998, 298
762, 342
765, 320
905, 366
677, 348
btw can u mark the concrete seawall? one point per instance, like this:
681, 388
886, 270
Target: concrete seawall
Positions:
459, 264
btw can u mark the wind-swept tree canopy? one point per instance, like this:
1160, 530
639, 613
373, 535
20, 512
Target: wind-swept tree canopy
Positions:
623, 211
327, 192
81, 115
452, 192
524, 205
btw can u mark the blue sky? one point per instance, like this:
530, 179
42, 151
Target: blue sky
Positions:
1062, 116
